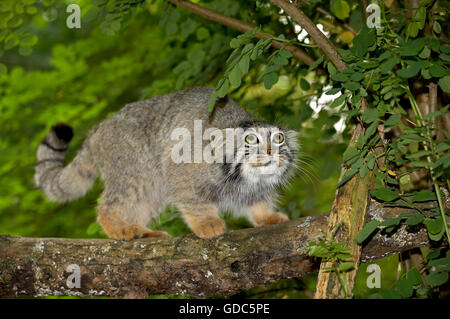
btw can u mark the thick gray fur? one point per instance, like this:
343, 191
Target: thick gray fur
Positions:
132, 152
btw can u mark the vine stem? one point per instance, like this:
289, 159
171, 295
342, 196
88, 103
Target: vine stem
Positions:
420, 122
341, 281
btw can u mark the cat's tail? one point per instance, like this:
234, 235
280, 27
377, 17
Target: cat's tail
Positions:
63, 183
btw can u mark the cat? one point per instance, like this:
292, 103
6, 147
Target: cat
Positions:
133, 151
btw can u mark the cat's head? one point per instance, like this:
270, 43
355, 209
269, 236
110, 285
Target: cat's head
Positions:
263, 154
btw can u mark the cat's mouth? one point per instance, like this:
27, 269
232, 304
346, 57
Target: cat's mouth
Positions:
265, 162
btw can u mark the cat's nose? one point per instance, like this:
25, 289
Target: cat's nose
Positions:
269, 150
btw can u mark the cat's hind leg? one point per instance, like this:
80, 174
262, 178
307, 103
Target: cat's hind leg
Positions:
112, 218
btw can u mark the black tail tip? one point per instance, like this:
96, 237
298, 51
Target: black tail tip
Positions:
63, 132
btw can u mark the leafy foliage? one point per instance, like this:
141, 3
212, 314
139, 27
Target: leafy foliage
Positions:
130, 50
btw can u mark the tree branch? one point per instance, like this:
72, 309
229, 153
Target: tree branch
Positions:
298, 54
188, 265
322, 41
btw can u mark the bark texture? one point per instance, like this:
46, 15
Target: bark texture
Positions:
188, 265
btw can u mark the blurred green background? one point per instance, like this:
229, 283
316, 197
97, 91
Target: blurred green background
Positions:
82, 76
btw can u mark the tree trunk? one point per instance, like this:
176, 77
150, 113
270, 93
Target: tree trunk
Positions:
188, 265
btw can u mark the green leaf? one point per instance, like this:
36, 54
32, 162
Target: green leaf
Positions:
442, 147
270, 80
434, 226
425, 53
339, 101
410, 71
424, 3
437, 27
371, 161
340, 77
235, 43
349, 153
202, 34
384, 55
384, 194
371, 130
391, 222
315, 64
438, 71
223, 89
367, 230
346, 266
392, 121
437, 278
347, 176
212, 101
370, 115
438, 236
415, 220
420, 16
424, 196
235, 76
413, 29
414, 277
412, 47
404, 288
279, 60
419, 163
389, 64
357, 76
391, 294
244, 64
434, 44
29, 40
440, 264
318, 251
363, 171
333, 91
304, 84
362, 41
360, 142
444, 57
352, 86
434, 254
285, 53
341, 9
418, 154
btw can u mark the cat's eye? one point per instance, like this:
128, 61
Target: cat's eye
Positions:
278, 138
251, 139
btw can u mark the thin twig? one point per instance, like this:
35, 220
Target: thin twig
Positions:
242, 26
330, 15
322, 41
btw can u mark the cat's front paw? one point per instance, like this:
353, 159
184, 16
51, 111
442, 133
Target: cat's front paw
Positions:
208, 227
271, 219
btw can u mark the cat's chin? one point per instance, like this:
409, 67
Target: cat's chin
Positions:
269, 174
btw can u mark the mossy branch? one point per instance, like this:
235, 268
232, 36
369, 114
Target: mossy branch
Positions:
188, 265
